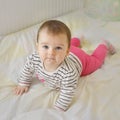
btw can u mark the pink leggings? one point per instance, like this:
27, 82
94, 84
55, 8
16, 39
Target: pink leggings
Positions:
91, 62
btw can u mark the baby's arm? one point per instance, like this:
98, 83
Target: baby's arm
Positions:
66, 93
19, 90
25, 80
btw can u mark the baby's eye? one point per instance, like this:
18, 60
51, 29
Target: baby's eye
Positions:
58, 48
45, 47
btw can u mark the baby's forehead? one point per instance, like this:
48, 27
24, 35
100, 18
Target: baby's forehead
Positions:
52, 33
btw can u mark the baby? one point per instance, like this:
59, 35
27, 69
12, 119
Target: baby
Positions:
59, 62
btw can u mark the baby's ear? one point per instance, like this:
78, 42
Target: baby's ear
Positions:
68, 52
36, 45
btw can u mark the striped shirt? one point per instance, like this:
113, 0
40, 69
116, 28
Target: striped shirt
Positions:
65, 78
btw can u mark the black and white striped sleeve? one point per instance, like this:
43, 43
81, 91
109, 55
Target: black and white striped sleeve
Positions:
67, 91
25, 78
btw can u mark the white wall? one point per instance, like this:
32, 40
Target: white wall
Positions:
18, 14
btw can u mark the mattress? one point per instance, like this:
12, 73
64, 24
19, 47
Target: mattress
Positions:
98, 94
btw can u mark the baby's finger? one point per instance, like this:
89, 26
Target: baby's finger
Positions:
21, 91
26, 89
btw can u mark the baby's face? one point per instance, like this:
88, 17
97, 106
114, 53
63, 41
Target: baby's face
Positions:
52, 49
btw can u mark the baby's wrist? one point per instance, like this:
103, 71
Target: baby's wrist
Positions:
58, 108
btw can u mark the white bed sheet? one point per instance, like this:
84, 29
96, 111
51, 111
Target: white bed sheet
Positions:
98, 94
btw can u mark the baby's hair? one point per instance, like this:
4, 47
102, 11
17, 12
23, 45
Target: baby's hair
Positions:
55, 27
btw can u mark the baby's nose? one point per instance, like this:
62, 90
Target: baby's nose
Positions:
52, 52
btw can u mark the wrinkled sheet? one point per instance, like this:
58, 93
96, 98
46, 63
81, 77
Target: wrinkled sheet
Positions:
98, 94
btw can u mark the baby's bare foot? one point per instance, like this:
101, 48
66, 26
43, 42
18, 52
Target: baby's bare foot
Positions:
111, 48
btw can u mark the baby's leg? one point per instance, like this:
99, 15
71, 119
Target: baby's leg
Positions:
94, 61
101, 51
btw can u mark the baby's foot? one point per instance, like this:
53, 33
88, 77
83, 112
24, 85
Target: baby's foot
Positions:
110, 47
75, 42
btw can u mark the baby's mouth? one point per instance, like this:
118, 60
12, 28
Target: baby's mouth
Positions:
50, 59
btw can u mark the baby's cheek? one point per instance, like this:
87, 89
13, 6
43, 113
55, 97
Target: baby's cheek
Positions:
61, 58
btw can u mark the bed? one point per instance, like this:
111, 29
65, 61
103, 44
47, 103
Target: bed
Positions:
97, 96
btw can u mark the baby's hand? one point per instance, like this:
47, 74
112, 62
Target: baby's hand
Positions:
19, 90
